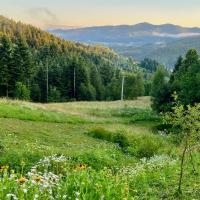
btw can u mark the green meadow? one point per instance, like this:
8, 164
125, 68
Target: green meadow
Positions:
90, 150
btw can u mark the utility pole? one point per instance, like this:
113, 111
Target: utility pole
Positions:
47, 73
122, 91
74, 83
7, 90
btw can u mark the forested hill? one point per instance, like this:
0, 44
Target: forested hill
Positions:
36, 38
39, 66
164, 43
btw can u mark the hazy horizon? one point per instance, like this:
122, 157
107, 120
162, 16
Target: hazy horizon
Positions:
78, 13
104, 25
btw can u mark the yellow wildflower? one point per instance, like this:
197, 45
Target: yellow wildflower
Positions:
21, 180
37, 179
82, 166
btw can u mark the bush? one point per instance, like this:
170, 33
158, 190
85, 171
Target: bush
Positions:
120, 139
21, 91
117, 138
146, 146
100, 133
136, 114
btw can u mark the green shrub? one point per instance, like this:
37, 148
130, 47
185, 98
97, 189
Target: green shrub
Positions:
146, 146
100, 133
136, 114
114, 137
120, 139
21, 91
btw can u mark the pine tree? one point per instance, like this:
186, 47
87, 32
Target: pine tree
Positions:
21, 66
76, 75
113, 91
139, 84
26, 58
96, 81
176, 70
5, 62
160, 91
191, 58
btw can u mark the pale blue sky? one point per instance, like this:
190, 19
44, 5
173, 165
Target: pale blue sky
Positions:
47, 13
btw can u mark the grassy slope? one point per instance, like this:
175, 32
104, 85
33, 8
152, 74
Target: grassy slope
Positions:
31, 131
47, 129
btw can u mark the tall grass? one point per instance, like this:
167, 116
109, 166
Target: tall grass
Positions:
139, 146
30, 113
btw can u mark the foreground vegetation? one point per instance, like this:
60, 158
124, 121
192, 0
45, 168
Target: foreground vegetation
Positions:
96, 150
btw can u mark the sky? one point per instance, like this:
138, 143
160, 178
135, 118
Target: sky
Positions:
81, 13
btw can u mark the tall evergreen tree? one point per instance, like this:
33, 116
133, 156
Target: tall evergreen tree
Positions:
113, 91
176, 70
21, 67
139, 85
191, 58
5, 62
96, 81
160, 91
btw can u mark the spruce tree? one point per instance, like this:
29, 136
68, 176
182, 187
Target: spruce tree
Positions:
96, 81
21, 66
5, 62
176, 70
160, 91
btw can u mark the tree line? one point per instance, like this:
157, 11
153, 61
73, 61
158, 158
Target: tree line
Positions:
184, 82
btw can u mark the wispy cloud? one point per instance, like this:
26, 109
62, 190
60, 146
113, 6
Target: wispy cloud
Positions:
43, 16
179, 35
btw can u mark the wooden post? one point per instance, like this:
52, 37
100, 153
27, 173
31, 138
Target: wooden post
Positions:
47, 83
74, 83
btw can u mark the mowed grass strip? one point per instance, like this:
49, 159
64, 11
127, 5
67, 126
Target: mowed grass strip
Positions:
31, 113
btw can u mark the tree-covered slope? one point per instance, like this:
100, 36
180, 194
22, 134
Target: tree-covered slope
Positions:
164, 43
35, 64
165, 53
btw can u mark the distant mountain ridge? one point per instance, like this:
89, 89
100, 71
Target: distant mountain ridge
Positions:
142, 32
134, 40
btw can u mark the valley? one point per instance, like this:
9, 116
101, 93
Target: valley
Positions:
164, 43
